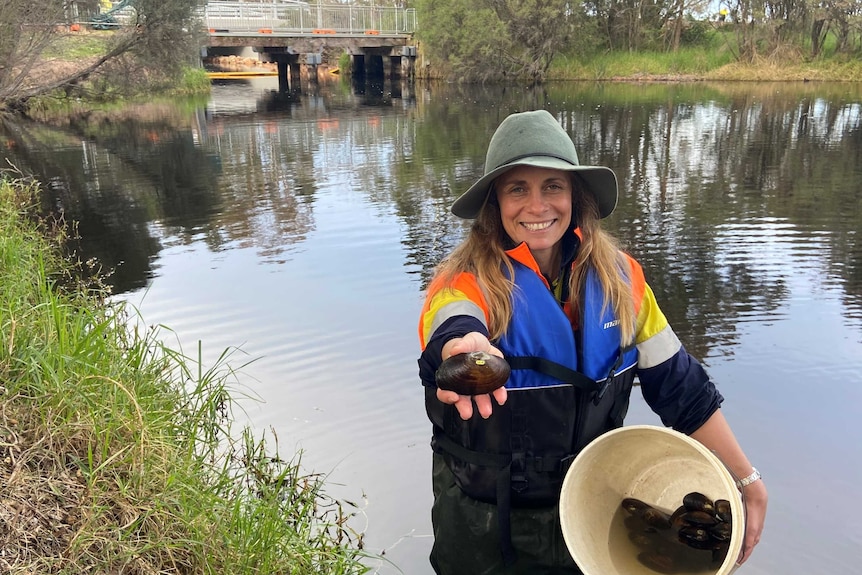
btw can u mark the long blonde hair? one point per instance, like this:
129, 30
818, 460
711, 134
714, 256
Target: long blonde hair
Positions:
482, 253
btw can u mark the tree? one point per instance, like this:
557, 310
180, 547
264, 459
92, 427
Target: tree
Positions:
537, 31
23, 38
479, 40
160, 38
461, 39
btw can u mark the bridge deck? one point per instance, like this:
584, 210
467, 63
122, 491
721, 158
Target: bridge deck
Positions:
299, 19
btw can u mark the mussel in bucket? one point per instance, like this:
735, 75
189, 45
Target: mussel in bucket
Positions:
651, 516
696, 501
657, 562
694, 536
722, 509
721, 531
634, 506
473, 373
699, 524
699, 518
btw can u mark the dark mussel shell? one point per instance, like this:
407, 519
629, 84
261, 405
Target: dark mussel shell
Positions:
695, 501
473, 373
719, 552
696, 538
651, 516
722, 509
699, 518
676, 517
641, 539
657, 561
656, 518
721, 531
634, 506
692, 533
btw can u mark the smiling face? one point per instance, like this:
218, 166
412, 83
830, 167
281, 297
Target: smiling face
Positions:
536, 208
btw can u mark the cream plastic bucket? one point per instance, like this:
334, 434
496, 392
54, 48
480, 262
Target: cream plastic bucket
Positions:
656, 465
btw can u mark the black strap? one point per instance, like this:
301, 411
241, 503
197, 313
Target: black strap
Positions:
443, 444
504, 519
603, 387
503, 462
567, 375
555, 370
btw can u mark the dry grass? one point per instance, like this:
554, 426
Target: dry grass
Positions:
43, 499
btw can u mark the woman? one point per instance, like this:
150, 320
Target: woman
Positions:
537, 281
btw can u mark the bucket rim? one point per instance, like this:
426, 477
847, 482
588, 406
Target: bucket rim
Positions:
727, 482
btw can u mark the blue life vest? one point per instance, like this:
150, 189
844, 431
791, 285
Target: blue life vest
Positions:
564, 391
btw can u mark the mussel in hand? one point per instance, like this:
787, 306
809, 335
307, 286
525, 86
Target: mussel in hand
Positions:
473, 373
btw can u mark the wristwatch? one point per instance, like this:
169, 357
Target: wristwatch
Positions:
749, 479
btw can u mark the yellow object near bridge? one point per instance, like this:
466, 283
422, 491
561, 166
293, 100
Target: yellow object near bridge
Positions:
248, 74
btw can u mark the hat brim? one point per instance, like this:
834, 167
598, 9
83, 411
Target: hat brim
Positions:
600, 181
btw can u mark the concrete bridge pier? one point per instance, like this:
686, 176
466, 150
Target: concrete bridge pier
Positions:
289, 74
408, 63
384, 63
283, 83
287, 65
373, 56
312, 65
295, 77
289, 68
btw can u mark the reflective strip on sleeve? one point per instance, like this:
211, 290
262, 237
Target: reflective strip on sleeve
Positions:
658, 348
445, 305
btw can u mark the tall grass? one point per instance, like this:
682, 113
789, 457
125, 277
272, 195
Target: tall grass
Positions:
117, 453
693, 61
715, 57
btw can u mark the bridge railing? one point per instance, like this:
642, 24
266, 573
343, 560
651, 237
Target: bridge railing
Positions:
301, 18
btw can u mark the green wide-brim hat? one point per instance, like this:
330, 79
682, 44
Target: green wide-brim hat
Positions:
535, 139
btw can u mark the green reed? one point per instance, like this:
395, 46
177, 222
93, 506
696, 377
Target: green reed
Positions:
689, 61
116, 451
716, 61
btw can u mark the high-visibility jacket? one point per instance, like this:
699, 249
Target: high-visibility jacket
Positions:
562, 393
569, 383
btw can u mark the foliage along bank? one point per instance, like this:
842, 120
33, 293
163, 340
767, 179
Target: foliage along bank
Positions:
117, 453
537, 40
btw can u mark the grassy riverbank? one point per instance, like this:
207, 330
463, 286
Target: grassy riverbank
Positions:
116, 452
715, 60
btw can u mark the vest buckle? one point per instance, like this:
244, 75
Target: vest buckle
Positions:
600, 393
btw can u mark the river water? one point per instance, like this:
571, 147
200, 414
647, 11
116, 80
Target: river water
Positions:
297, 232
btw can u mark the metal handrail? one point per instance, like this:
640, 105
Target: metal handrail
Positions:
301, 18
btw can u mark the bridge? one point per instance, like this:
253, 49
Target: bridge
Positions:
379, 39
294, 34
292, 18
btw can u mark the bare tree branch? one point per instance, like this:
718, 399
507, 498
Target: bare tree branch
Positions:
81, 74
162, 37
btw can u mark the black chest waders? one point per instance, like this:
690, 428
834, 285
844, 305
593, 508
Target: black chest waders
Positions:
514, 468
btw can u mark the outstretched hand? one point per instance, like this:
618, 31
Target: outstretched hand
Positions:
473, 341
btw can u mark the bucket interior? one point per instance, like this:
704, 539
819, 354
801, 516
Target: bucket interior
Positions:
659, 467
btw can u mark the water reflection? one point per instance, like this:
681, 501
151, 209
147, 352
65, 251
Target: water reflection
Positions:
306, 224
714, 178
